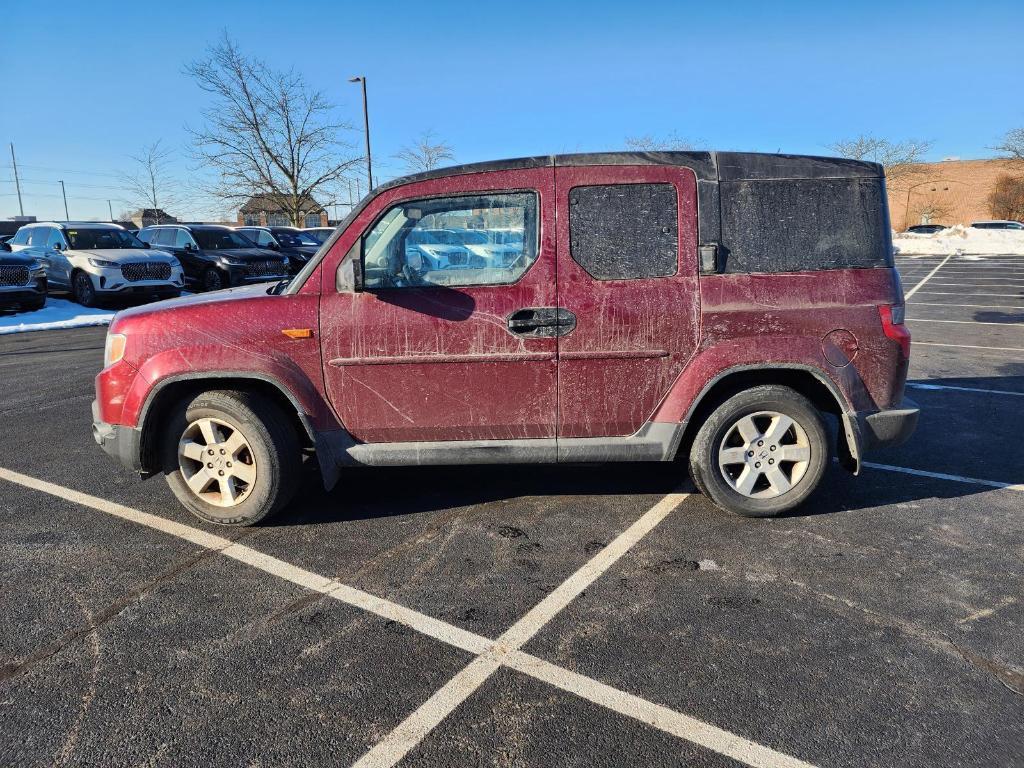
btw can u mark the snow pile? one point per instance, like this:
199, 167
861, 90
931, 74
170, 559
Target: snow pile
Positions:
58, 313
961, 240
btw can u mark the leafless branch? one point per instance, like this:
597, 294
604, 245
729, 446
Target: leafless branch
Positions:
673, 142
150, 183
266, 133
425, 153
901, 159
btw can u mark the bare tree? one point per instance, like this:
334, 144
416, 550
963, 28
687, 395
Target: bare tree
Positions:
901, 159
267, 133
1012, 144
930, 210
673, 142
1006, 200
425, 153
150, 184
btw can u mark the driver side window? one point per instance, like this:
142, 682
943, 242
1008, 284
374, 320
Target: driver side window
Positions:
452, 242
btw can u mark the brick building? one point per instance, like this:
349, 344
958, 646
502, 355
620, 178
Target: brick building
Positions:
949, 192
266, 211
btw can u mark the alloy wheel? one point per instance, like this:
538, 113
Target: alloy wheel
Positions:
764, 455
216, 462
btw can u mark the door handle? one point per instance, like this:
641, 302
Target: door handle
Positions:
541, 322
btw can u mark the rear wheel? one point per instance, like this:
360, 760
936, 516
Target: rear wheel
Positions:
761, 453
231, 458
83, 290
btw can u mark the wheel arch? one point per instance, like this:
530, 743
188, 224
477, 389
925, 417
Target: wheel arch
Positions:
809, 381
174, 389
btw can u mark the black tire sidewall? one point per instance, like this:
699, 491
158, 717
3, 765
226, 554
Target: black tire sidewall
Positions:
213, 280
87, 297
766, 398
275, 454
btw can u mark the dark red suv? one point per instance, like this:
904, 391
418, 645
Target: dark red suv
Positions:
720, 308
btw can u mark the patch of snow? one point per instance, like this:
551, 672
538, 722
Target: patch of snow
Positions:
58, 313
959, 241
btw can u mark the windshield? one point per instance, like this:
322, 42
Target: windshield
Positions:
219, 239
473, 238
294, 239
101, 239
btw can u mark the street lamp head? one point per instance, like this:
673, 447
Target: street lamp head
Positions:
356, 79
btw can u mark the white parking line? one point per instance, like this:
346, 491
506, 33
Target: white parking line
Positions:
979, 306
490, 654
965, 293
966, 346
416, 726
915, 385
944, 476
964, 322
927, 277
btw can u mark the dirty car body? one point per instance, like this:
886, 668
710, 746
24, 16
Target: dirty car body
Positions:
746, 298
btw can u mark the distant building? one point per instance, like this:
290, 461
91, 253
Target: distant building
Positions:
267, 211
146, 217
949, 192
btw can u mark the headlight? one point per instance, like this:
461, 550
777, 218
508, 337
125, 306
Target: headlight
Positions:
233, 262
175, 264
103, 263
36, 265
113, 350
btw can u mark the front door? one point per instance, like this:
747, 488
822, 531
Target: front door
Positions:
627, 271
453, 335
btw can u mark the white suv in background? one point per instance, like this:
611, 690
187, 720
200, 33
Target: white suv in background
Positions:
96, 261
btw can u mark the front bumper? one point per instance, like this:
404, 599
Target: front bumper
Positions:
19, 295
117, 441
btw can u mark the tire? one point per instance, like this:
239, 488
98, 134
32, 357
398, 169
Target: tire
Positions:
734, 460
82, 289
268, 452
213, 279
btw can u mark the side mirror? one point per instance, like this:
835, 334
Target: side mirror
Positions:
5, 246
350, 272
273, 246
188, 246
147, 246
58, 247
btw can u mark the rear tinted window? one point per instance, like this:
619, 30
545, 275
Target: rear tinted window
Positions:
805, 224
624, 231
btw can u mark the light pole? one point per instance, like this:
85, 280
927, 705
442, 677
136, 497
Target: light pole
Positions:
366, 127
111, 209
67, 216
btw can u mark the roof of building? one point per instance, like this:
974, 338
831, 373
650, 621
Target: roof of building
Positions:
273, 203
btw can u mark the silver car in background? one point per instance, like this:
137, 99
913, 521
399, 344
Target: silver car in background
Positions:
96, 261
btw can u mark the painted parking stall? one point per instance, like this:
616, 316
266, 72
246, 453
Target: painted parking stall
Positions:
593, 618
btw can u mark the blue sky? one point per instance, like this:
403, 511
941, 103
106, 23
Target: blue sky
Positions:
88, 84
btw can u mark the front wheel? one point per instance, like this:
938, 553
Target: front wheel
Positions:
761, 453
213, 279
83, 290
231, 458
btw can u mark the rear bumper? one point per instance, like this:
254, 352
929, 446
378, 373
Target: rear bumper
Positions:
117, 441
887, 428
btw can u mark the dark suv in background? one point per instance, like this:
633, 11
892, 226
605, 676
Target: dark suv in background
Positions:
214, 256
297, 245
22, 281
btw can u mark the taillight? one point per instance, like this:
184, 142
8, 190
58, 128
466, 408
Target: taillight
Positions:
892, 323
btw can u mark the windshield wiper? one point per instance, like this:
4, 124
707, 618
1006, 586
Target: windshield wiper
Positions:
280, 285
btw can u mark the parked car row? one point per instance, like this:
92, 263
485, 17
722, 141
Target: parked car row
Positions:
99, 261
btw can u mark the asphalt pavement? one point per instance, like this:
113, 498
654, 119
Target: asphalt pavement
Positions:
525, 616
